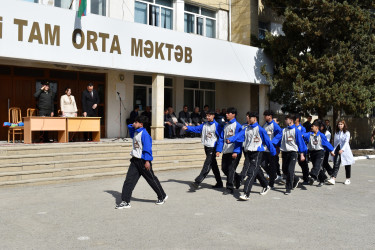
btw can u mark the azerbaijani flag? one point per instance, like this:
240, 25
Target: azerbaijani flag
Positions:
82, 8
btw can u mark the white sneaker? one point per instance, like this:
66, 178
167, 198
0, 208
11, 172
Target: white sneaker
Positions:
244, 197
265, 190
161, 202
123, 205
331, 181
347, 182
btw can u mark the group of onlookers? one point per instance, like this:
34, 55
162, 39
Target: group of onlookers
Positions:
174, 124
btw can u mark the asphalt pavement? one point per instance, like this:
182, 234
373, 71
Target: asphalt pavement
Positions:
82, 215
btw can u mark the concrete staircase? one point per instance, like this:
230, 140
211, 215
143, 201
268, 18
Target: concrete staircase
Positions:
53, 163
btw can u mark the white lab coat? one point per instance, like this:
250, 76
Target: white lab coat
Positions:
343, 139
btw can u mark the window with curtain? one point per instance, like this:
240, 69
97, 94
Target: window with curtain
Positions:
199, 93
98, 7
200, 21
154, 12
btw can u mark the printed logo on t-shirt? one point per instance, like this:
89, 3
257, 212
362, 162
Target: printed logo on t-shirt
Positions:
290, 138
231, 132
136, 145
256, 139
209, 135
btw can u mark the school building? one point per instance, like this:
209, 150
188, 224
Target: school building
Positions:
156, 53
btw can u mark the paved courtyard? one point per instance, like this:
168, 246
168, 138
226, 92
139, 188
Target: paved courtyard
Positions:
81, 215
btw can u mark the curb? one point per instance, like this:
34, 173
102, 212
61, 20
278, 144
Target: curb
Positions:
364, 157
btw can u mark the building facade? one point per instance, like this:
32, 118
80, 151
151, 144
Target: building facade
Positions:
156, 53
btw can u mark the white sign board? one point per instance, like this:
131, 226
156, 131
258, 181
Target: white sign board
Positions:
48, 34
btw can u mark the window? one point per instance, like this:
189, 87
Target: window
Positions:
143, 91
154, 12
98, 7
263, 28
63, 3
199, 93
32, 1
200, 21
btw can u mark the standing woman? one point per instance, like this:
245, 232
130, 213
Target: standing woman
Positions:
343, 153
68, 104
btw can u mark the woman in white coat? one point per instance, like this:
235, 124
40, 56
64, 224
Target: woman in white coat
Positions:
68, 104
343, 153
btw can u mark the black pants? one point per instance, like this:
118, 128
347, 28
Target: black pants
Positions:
228, 166
209, 163
289, 165
316, 157
337, 163
326, 165
305, 168
270, 167
136, 169
278, 171
44, 134
253, 159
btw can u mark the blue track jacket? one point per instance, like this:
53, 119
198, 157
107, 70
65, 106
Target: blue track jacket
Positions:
220, 143
146, 142
240, 137
299, 139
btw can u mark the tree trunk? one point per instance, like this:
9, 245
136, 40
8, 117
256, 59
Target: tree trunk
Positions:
336, 117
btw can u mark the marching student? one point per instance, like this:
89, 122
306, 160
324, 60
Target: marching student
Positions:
326, 167
231, 151
343, 153
270, 161
210, 131
253, 137
317, 144
291, 145
140, 164
303, 164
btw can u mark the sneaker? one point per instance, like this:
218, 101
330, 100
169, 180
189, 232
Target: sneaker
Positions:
347, 182
321, 184
305, 183
218, 185
265, 190
194, 185
311, 181
244, 197
288, 192
161, 202
278, 178
331, 181
123, 205
296, 183
227, 191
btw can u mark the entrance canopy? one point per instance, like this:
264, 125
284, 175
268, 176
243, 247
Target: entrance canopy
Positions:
54, 35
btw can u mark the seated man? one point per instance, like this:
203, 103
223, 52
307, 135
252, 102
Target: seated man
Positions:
173, 121
184, 118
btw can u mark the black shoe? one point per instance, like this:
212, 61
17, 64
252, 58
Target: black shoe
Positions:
288, 192
305, 183
295, 184
321, 184
194, 185
311, 181
228, 191
218, 185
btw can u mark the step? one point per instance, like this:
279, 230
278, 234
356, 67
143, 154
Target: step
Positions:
60, 156
58, 147
63, 179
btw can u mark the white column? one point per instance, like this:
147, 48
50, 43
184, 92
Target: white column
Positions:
179, 15
157, 126
263, 102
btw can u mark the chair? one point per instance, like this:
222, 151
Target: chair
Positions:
15, 116
31, 112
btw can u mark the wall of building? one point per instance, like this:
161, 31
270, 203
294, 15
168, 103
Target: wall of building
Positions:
112, 105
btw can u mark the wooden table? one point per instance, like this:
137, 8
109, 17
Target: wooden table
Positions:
83, 124
40, 123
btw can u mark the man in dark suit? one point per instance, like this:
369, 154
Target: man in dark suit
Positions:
45, 98
90, 101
